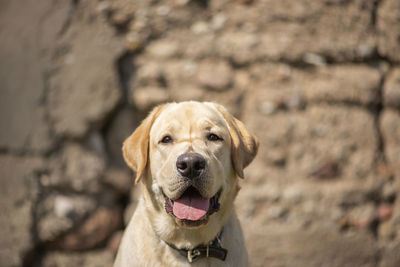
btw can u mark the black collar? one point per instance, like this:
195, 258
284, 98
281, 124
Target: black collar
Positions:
212, 249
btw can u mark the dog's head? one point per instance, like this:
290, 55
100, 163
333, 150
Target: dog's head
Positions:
189, 154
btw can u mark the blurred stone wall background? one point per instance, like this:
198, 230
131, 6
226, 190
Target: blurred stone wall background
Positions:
317, 81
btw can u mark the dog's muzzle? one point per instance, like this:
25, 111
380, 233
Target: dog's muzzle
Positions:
192, 208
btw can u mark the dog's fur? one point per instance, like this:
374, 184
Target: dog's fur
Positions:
189, 124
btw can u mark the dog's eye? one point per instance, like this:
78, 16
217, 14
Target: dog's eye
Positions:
214, 137
166, 139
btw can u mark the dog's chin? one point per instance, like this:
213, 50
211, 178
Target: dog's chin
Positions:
189, 223
191, 209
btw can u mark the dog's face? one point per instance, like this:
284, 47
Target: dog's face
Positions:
192, 153
190, 160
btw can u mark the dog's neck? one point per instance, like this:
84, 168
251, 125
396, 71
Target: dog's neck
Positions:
212, 249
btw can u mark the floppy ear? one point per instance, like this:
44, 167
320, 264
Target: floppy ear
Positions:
136, 147
244, 144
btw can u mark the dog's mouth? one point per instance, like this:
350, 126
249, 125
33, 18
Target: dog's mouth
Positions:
192, 208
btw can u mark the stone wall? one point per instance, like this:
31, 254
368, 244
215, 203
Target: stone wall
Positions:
317, 81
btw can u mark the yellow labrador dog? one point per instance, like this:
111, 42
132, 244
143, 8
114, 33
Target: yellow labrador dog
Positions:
187, 157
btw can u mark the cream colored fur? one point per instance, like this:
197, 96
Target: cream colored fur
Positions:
188, 123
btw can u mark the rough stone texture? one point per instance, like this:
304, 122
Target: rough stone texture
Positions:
122, 126
302, 142
149, 74
389, 230
351, 83
93, 232
115, 241
60, 213
314, 247
24, 41
19, 192
391, 256
387, 20
96, 258
214, 75
342, 135
390, 126
85, 87
333, 29
316, 81
119, 179
147, 97
163, 49
391, 89
134, 199
76, 168
286, 87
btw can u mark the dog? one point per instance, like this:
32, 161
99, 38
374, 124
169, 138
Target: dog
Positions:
187, 157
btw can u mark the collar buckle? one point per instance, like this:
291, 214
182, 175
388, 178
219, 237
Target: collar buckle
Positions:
193, 255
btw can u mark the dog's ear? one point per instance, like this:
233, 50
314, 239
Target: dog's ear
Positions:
136, 147
244, 144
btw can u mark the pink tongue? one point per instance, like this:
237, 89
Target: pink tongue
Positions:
190, 207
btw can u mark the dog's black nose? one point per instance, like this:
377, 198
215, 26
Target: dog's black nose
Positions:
191, 165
